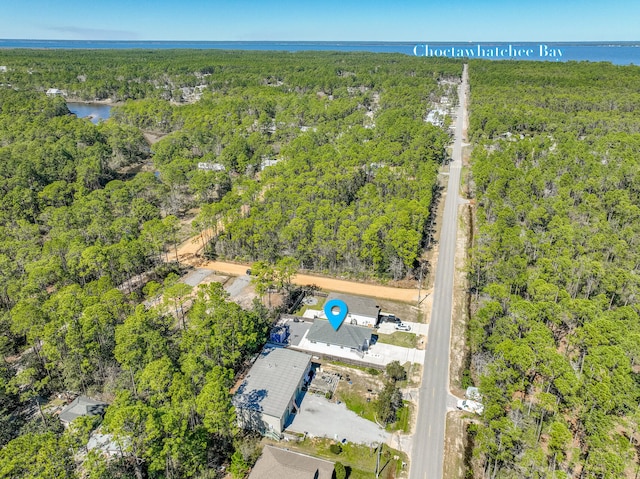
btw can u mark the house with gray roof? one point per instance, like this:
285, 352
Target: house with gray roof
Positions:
348, 336
54, 92
81, 406
361, 311
270, 392
283, 464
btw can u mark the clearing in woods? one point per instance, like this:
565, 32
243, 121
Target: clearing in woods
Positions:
189, 253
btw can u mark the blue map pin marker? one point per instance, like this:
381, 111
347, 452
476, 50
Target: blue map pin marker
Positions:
336, 319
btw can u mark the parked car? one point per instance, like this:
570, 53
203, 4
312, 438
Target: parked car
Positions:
470, 406
390, 318
403, 327
248, 272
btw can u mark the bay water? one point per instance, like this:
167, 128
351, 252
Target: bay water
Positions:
619, 53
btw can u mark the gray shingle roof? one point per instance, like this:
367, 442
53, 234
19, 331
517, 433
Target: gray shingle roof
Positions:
272, 381
82, 406
347, 335
357, 304
280, 464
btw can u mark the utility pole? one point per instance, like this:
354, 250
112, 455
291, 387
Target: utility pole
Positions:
378, 460
420, 283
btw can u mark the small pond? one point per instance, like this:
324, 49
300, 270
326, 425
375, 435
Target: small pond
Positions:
94, 111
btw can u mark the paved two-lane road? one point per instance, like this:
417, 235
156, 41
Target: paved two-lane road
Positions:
428, 444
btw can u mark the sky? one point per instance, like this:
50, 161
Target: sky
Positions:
329, 20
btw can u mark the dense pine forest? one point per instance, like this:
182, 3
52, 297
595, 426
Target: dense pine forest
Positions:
555, 335
320, 157
356, 162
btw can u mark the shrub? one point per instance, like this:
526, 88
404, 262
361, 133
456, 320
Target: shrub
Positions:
239, 466
466, 379
339, 471
335, 448
396, 371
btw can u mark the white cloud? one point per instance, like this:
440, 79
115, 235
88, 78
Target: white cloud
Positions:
93, 33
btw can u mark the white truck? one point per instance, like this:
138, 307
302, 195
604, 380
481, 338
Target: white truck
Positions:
470, 406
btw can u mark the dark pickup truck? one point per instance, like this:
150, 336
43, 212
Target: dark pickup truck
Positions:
389, 318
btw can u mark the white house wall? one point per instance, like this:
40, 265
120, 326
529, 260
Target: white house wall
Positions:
361, 320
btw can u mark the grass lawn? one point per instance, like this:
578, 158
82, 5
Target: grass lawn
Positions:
359, 459
361, 391
361, 396
399, 338
356, 401
318, 306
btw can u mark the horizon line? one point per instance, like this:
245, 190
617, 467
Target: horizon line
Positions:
309, 41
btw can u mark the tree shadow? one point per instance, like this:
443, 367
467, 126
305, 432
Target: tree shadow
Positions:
333, 476
301, 395
249, 408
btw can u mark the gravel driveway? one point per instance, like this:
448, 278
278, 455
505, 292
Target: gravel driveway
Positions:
236, 286
196, 277
321, 418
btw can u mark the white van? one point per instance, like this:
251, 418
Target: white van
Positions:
470, 406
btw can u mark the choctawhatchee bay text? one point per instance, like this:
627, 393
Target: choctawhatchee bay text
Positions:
480, 51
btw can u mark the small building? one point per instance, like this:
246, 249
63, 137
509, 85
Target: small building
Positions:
54, 92
348, 336
211, 166
267, 162
362, 311
270, 392
81, 406
107, 445
283, 464
436, 117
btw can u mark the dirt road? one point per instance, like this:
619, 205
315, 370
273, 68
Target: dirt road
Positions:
407, 295
189, 252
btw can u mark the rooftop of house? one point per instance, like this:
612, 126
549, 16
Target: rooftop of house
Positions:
211, 166
358, 304
272, 381
282, 464
82, 406
107, 444
347, 335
